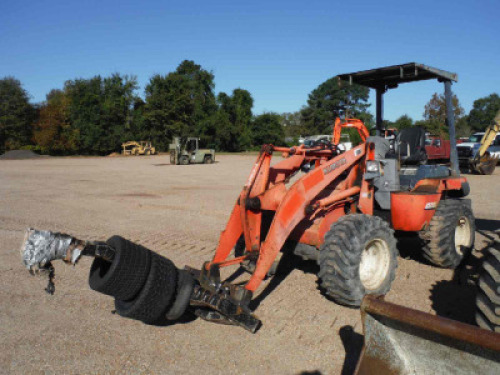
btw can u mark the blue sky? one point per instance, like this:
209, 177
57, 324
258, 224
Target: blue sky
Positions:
278, 50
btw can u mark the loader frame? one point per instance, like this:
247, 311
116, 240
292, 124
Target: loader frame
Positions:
337, 183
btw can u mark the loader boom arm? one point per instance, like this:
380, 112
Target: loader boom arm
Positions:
265, 189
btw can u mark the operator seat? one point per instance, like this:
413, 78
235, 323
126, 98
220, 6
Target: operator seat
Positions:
410, 146
410, 150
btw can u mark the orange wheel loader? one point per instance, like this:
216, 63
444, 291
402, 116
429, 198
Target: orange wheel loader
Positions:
342, 213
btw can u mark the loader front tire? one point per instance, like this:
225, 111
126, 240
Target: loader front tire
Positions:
450, 235
124, 277
155, 297
358, 257
183, 160
488, 291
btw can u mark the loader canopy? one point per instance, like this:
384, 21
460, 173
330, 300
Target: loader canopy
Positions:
392, 76
389, 77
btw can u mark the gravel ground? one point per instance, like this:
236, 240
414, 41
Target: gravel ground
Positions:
179, 212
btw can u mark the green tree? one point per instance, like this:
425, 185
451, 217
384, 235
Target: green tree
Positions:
463, 128
100, 109
293, 124
403, 122
435, 114
16, 115
53, 134
483, 111
136, 127
322, 104
233, 132
180, 103
267, 129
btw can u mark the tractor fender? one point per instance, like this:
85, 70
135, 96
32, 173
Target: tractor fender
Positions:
412, 212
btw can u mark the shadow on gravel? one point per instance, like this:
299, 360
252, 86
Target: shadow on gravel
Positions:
288, 263
353, 344
313, 372
188, 317
488, 225
410, 247
455, 299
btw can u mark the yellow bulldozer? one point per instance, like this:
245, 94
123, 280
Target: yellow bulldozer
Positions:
138, 148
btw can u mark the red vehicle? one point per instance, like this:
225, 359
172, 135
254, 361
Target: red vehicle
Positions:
437, 148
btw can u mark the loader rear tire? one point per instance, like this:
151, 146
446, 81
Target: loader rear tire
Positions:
450, 236
488, 292
156, 296
124, 277
358, 257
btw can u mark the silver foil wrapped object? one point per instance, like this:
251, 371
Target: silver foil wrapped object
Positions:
41, 247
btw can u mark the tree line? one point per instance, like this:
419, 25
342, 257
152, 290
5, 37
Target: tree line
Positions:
94, 116
323, 102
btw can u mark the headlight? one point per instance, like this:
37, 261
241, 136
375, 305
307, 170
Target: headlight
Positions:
372, 166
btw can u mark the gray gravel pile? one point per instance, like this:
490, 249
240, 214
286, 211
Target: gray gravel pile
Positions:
19, 155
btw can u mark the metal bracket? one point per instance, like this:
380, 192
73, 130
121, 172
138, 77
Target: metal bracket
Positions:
220, 302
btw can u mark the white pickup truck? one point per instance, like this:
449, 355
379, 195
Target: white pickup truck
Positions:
467, 150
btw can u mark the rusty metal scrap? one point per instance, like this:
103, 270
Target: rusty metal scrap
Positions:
400, 340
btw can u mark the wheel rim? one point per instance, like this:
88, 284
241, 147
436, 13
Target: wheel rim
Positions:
375, 263
462, 235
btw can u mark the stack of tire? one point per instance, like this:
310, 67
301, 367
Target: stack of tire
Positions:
145, 285
488, 291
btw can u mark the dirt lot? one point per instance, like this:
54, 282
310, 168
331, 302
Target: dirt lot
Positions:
179, 212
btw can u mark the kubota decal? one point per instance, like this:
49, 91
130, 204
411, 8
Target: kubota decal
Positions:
430, 206
334, 166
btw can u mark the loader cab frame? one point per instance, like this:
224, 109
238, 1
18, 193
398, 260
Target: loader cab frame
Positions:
390, 77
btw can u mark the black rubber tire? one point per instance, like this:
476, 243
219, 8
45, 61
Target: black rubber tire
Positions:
184, 290
126, 275
340, 258
154, 299
439, 238
207, 159
488, 291
183, 160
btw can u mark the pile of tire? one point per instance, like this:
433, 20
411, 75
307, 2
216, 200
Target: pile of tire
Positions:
488, 291
146, 286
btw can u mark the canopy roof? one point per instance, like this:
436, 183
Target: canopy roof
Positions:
391, 76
